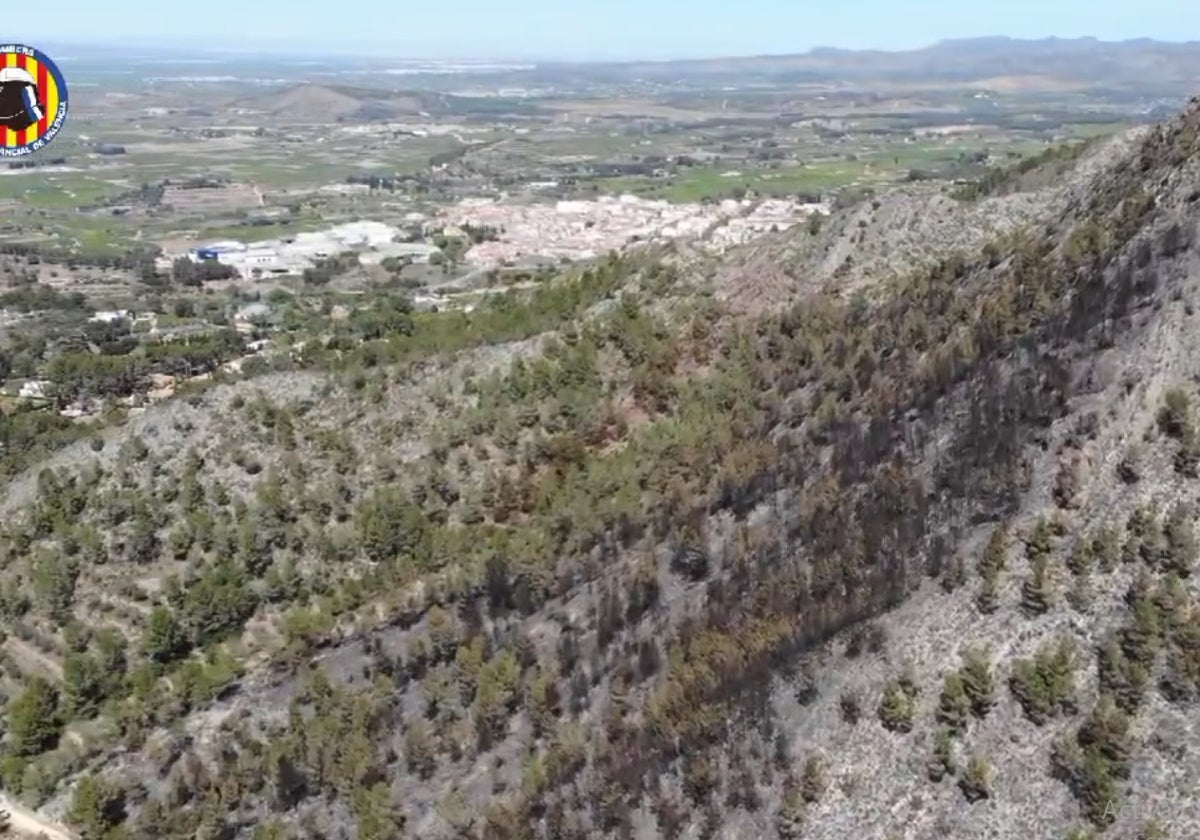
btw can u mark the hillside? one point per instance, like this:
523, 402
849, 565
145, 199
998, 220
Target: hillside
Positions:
875, 242
893, 556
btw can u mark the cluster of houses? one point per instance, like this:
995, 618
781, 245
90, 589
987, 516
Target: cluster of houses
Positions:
247, 320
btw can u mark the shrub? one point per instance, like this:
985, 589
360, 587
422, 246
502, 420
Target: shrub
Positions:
896, 708
1129, 470
976, 781
1175, 415
850, 706
813, 782
793, 813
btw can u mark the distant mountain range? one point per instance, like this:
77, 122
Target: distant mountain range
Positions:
1143, 66
1165, 68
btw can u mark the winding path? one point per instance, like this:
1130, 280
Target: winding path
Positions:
24, 822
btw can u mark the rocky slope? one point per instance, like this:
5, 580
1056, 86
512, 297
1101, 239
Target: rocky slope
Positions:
910, 563
890, 236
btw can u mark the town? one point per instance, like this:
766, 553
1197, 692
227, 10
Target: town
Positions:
447, 261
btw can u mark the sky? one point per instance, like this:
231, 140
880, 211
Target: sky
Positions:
587, 30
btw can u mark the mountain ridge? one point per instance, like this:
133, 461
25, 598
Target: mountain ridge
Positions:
1093, 63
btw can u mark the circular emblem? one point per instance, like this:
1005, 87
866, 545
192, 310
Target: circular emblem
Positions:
33, 100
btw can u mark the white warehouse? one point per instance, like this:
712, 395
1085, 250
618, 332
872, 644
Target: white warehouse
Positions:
292, 255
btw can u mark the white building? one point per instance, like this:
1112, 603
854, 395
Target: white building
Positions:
294, 254
109, 316
358, 234
312, 246
262, 258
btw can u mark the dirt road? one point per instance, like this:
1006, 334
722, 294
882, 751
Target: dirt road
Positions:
22, 822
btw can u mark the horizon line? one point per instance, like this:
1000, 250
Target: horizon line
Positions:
374, 50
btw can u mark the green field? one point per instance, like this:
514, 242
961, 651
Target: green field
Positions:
699, 183
57, 191
1089, 130
258, 233
94, 234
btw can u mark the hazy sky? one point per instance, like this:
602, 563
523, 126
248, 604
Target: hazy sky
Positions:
593, 29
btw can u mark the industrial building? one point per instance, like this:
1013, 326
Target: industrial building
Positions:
291, 255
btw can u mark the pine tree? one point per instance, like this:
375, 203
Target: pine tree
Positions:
34, 725
1039, 543
1153, 548
214, 815
1082, 557
850, 706
813, 781
941, 762
954, 707
1035, 591
1045, 685
1181, 542
955, 574
1141, 638
978, 681
96, 807
83, 685
1106, 730
1123, 678
996, 553
1106, 547
419, 753
163, 640
1082, 594
1187, 456
375, 812
988, 599
806, 685
793, 813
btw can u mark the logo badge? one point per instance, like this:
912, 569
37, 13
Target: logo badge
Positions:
33, 100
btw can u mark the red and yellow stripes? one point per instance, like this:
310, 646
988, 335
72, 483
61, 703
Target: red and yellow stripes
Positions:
48, 91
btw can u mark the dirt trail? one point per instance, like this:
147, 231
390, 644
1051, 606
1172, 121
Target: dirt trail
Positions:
28, 655
24, 822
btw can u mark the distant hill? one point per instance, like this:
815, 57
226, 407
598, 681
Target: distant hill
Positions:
314, 100
333, 103
1151, 67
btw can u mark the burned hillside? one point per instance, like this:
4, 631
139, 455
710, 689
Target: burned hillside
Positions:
663, 569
